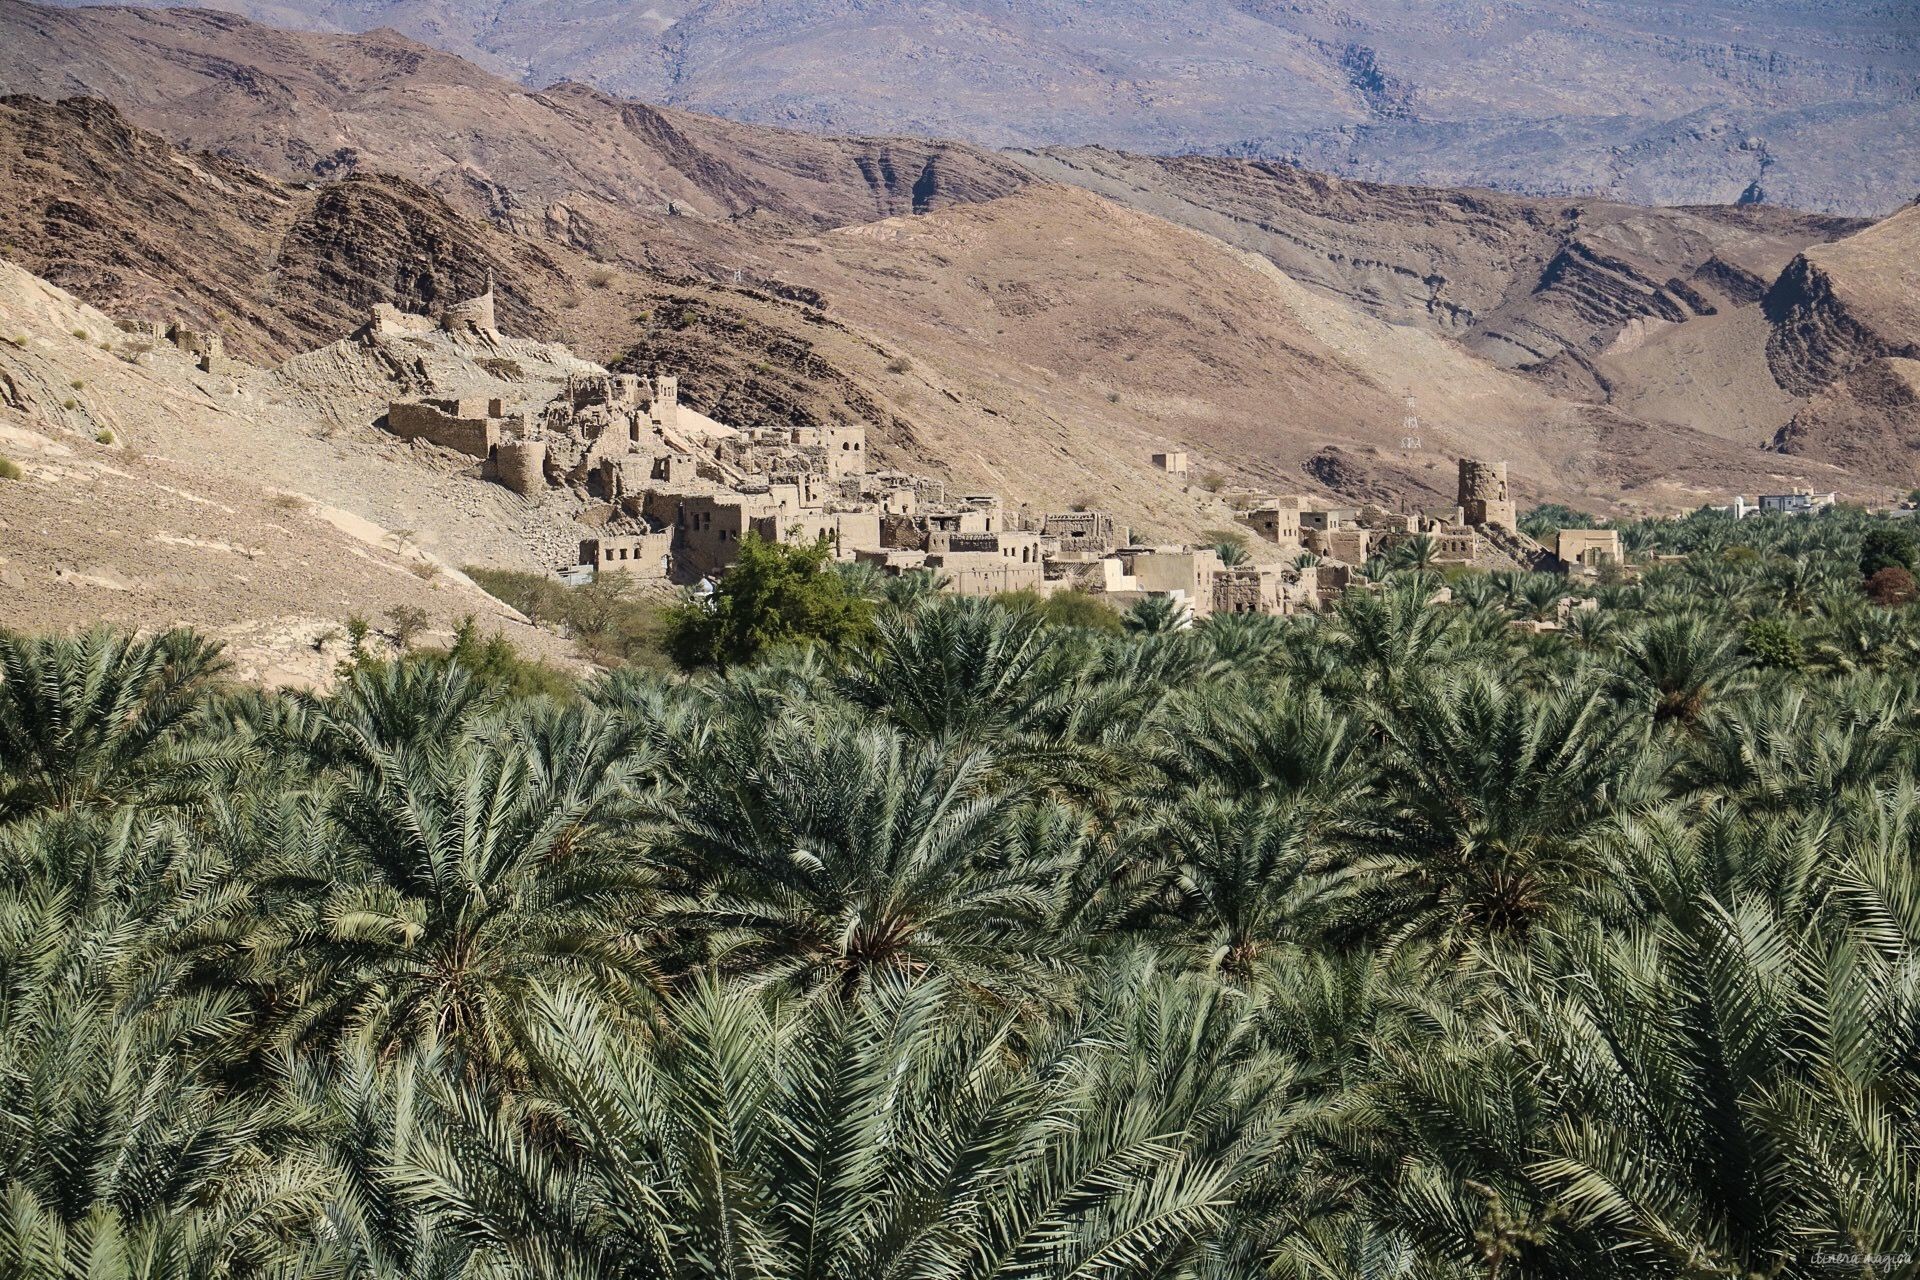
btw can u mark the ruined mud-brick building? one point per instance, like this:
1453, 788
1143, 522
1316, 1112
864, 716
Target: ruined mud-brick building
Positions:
675, 493
1085, 531
208, 349
1484, 498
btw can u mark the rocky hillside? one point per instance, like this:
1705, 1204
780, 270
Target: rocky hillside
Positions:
300, 106
1841, 305
1043, 343
128, 220
1805, 104
1519, 280
1846, 335
151, 493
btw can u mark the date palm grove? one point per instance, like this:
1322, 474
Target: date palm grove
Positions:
1391, 942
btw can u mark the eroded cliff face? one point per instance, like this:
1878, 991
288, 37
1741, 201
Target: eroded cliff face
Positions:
1840, 305
1816, 341
1868, 422
1845, 335
1542, 286
377, 238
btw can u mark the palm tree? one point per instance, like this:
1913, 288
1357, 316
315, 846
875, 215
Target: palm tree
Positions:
1155, 615
105, 718
1734, 1098
1777, 749
452, 876
957, 667
1538, 595
829, 857
1677, 667
121, 1151
1239, 880
875, 1137
1417, 553
1387, 637
1490, 799
1232, 553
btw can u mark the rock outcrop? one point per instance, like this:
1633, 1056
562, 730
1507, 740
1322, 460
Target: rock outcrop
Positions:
1841, 305
1846, 336
1869, 422
141, 227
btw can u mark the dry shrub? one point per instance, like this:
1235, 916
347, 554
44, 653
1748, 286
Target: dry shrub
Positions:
1891, 586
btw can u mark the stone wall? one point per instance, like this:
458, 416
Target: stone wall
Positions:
451, 424
986, 573
1349, 546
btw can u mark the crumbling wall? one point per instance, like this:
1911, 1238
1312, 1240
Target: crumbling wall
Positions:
1083, 530
475, 315
426, 420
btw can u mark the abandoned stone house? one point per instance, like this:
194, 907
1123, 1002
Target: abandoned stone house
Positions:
1347, 543
1275, 519
1251, 588
1588, 548
208, 349
646, 555
1089, 531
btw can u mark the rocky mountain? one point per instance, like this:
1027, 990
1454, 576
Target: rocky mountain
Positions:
117, 214
1042, 343
1035, 323
1846, 336
298, 105
1805, 104
1522, 281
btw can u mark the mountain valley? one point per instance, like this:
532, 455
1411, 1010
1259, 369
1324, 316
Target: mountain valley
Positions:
1035, 323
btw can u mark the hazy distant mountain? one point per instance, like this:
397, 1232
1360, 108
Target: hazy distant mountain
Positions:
1809, 103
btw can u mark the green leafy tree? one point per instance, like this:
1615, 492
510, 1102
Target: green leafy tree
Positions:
773, 594
1773, 642
1887, 546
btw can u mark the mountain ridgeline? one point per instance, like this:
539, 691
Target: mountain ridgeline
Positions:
1807, 105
